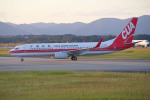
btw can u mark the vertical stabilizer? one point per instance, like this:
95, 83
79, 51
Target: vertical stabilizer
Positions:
126, 36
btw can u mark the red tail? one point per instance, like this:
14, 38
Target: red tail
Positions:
125, 36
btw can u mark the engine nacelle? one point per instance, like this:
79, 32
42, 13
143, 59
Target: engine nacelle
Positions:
61, 55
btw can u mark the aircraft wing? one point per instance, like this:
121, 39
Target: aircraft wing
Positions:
78, 51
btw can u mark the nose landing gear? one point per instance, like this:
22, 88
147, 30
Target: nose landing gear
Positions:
22, 59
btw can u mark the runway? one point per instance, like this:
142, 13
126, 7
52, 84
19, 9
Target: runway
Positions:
44, 64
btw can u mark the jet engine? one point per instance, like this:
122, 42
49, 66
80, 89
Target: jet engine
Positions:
61, 55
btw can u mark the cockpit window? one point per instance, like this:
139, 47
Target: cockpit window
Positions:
16, 48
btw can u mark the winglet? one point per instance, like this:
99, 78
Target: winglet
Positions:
98, 44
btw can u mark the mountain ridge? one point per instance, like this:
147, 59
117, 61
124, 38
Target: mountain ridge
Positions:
103, 26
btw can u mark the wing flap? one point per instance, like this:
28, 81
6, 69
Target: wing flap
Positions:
78, 51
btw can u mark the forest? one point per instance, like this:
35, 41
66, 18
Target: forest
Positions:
61, 38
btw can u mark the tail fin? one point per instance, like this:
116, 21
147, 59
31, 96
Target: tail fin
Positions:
126, 36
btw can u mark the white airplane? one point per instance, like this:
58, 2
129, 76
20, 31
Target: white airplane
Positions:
143, 43
65, 50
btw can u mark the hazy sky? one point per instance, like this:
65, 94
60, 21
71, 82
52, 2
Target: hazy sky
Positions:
69, 11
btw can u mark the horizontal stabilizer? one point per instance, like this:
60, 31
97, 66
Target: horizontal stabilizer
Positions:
132, 43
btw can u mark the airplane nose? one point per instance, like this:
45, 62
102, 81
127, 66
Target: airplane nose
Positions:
10, 51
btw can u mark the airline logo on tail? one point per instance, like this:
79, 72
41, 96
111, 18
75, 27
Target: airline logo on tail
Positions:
127, 30
125, 36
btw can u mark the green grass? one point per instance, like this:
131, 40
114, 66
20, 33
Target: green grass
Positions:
4, 52
72, 85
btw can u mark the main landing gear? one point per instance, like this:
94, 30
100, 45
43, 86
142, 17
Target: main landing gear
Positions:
21, 58
74, 58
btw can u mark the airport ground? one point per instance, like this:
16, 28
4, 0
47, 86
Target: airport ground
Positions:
45, 64
130, 60
119, 76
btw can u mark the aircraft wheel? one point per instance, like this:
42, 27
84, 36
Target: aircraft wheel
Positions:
74, 58
22, 59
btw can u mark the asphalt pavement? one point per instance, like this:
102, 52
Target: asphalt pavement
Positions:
45, 64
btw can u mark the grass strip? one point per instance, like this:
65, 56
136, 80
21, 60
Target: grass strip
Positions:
73, 85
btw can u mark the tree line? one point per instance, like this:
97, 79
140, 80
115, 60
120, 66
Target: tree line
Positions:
61, 38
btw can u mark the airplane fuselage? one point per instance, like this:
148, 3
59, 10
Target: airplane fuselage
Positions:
49, 49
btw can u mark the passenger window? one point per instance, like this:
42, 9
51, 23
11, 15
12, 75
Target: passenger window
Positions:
37, 45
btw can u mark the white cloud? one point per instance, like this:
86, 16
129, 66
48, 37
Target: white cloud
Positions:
3, 15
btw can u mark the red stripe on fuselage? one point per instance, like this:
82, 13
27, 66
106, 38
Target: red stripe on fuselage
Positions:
58, 50
40, 51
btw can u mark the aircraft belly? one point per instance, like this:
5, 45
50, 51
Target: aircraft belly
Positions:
33, 54
96, 53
